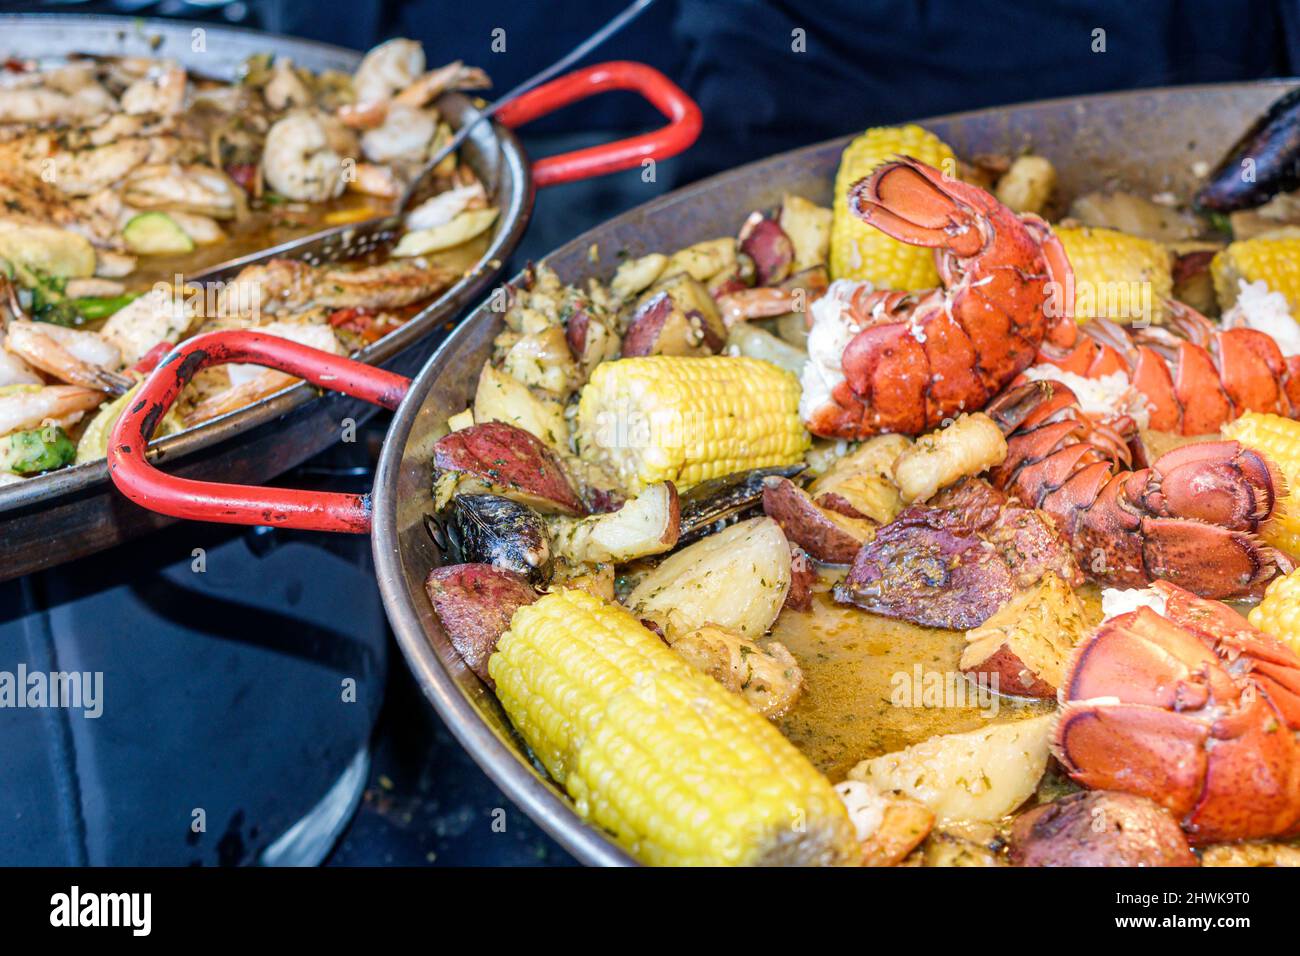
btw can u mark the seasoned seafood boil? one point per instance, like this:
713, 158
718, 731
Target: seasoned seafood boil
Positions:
898, 533
120, 176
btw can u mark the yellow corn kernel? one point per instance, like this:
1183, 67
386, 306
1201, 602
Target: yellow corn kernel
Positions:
861, 251
1279, 613
680, 770
1276, 262
1278, 439
688, 419
1116, 276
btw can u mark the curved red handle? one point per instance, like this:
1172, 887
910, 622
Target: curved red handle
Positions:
666, 96
241, 504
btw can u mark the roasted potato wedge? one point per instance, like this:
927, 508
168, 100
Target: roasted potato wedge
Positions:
1135, 215
809, 228
1099, 828
544, 360
636, 275
647, 524
861, 483
1028, 184
766, 243
979, 775
736, 579
500, 459
702, 261
474, 604
825, 535
676, 317
1022, 649
748, 339
503, 398
803, 576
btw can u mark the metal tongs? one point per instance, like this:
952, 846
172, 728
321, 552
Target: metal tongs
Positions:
370, 236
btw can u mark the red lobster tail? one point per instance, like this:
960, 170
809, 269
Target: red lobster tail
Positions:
1190, 518
1194, 375
925, 357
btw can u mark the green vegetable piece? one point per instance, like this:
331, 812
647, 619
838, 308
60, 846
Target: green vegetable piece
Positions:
36, 450
156, 234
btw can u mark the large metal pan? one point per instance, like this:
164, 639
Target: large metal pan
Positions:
72, 512
1148, 140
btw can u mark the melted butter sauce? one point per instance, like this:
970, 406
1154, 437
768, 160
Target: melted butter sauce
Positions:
850, 659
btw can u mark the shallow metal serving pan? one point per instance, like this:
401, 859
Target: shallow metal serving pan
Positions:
73, 512
1148, 141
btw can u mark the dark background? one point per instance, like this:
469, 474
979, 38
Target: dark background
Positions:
864, 63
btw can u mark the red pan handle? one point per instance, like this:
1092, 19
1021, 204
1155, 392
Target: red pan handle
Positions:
666, 96
166, 494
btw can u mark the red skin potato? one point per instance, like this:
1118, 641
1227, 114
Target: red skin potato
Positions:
1013, 676
802, 578
474, 604
764, 241
807, 525
1099, 828
511, 462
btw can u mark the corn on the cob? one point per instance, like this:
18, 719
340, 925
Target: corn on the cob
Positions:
1277, 438
685, 420
1279, 613
1117, 276
1275, 261
680, 770
861, 251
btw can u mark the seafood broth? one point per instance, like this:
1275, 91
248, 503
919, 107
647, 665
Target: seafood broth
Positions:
850, 657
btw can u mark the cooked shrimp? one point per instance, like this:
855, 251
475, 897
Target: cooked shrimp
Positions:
405, 135
62, 405
285, 89
186, 188
301, 161
454, 76
371, 179
71, 355
367, 114
386, 69
161, 90
14, 371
